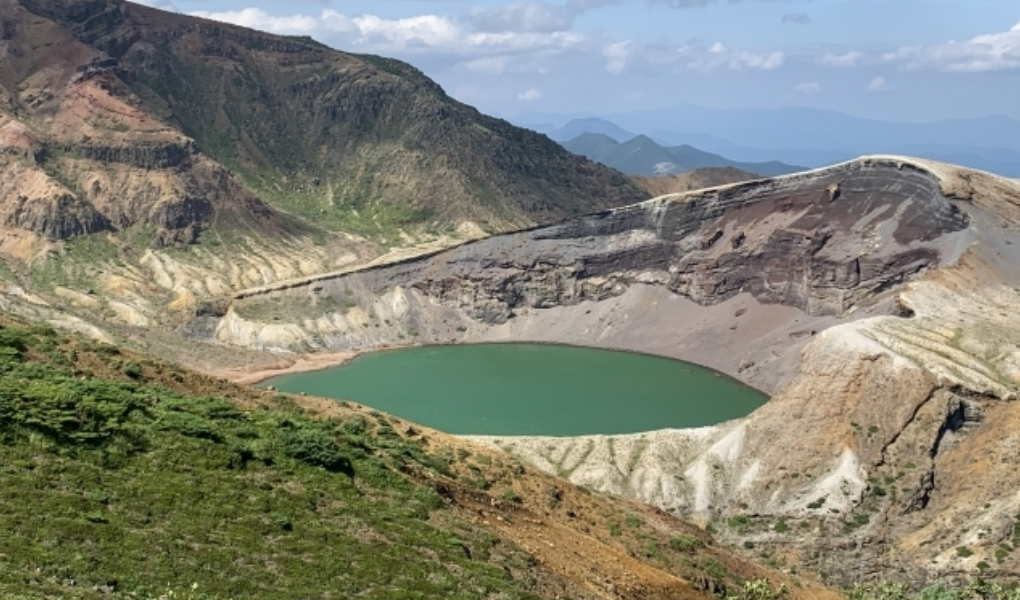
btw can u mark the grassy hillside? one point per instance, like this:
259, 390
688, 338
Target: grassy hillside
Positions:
123, 477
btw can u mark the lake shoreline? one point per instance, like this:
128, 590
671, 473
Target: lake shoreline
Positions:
299, 363
310, 362
490, 389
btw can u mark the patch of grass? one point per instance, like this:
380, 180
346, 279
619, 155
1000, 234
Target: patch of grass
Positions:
282, 308
129, 487
685, 543
816, 504
858, 520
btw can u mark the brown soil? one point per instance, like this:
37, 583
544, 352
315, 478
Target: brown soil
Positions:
300, 363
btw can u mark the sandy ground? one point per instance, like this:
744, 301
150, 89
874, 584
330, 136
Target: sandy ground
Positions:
299, 363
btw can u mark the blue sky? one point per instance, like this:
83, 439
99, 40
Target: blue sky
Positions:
900, 60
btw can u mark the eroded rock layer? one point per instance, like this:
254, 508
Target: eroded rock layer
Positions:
824, 243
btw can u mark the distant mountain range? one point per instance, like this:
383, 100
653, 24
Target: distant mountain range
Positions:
800, 136
641, 155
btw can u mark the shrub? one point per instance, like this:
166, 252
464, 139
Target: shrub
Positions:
511, 496
312, 444
685, 543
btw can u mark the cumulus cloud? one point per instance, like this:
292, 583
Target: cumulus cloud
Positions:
421, 33
616, 56
808, 88
493, 65
529, 95
800, 18
719, 56
876, 84
989, 52
844, 61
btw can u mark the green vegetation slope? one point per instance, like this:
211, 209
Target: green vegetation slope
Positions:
123, 477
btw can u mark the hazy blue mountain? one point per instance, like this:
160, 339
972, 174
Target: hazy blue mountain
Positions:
577, 127
816, 137
641, 155
803, 128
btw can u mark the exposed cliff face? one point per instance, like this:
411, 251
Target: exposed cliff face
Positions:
824, 242
876, 300
79, 153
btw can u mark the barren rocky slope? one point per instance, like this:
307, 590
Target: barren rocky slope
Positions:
875, 299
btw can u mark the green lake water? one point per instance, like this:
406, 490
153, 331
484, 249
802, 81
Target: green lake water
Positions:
532, 389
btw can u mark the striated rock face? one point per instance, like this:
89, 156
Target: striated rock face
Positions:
160, 155
876, 300
792, 241
58, 217
83, 154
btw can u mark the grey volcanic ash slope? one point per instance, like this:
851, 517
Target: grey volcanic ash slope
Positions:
877, 300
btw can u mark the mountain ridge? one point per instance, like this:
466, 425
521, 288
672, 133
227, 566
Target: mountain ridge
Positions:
643, 156
368, 142
811, 137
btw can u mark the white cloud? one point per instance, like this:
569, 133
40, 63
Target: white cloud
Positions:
530, 95
256, 18
876, 84
989, 52
720, 56
494, 65
808, 88
841, 60
426, 30
160, 4
616, 56
421, 33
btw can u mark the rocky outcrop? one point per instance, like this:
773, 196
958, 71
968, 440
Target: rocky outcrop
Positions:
58, 217
159, 155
